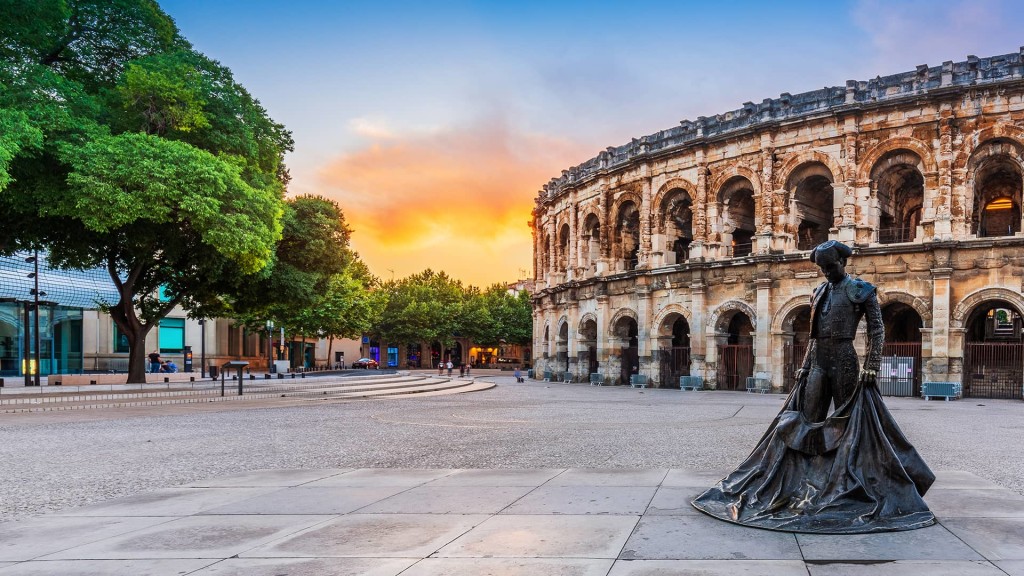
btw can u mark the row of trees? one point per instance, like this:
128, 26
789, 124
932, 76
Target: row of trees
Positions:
123, 147
432, 306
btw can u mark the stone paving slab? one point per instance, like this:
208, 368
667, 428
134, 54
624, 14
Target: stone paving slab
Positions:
537, 522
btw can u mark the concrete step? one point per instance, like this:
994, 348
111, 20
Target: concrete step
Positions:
367, 388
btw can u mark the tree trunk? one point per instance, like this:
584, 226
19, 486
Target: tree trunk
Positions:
330, 345
130, 325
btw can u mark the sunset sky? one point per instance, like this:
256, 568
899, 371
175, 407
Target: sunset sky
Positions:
434, 124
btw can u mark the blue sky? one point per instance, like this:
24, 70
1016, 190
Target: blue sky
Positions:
435, 123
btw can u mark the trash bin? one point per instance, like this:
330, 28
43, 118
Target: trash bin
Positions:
214, 372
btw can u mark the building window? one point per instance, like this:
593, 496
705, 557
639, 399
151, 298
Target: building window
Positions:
249, 342
121, 343
234, 341
172, 335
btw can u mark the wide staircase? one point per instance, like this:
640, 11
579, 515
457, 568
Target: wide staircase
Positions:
299, 388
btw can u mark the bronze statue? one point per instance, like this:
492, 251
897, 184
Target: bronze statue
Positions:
848, 472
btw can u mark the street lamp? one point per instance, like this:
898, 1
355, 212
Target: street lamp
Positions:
202, 348
270, 346
34, 260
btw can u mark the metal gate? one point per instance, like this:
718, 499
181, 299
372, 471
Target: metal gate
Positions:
630, 362
993, 370
900, 372
735, 364
675, 363
792, 360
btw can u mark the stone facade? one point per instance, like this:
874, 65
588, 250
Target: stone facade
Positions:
685, 252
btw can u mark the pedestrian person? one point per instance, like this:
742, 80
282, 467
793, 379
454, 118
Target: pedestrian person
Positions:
440, 368
518, 374
154, 362
462, 370
449, 365
467, 370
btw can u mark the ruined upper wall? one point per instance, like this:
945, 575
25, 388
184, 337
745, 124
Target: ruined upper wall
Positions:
856, 94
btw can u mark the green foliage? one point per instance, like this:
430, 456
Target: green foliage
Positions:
122, 146
431, 306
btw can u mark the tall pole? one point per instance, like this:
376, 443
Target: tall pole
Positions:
202, 348
35, 304
27, 354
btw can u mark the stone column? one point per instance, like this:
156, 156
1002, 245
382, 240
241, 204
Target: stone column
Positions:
571, 263
645, 224
698, 340
848, 226
700, 218
762, 330
603, 344
613, 371
942, 201
643, 327
937, 366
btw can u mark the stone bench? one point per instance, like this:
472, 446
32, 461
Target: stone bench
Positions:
944, 390
596, 379
691, 383
637, 381
762, 385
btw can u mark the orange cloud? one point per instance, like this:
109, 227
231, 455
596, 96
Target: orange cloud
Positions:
457, 201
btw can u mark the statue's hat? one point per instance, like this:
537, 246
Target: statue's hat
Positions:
843, 250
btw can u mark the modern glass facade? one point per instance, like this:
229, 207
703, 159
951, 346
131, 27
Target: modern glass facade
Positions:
63, 295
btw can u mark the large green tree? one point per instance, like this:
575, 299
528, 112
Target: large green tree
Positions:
122, 147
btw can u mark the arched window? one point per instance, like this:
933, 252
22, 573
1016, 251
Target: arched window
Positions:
676, 224
997, 193
627, 236
737, 202
899, 187
811, 201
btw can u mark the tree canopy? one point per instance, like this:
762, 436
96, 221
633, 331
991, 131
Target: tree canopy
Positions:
432, 306
123, 147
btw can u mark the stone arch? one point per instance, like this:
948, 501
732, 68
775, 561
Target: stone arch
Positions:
720, 317
625, 232
962, 310
673, 184
563, 329
623, 196
809, 201
736, 204
783, 319
920, 306
723, 176
666, 313
976, 140
898, 187
923, 151
995, 176
588, 317
618, 316
563, 238
791, 164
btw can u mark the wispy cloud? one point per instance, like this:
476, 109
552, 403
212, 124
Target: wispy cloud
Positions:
904, 34
458, 200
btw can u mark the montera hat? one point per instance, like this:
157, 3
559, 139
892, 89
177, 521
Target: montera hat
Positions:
841, 249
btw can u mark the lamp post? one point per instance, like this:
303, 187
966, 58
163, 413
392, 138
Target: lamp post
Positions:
270, 346
202, 348
34, 260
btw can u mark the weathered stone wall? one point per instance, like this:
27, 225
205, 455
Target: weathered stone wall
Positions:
922, 172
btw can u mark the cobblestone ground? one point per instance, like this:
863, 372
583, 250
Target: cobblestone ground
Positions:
53, 461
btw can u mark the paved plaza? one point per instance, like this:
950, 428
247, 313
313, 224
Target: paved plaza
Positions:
536, 478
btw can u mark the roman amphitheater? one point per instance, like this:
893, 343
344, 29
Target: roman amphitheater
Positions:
685, 252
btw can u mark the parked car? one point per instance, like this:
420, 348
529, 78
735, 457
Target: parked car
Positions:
366, 363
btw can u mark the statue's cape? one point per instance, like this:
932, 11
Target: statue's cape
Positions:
853, 473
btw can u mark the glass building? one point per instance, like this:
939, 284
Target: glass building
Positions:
63, 297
